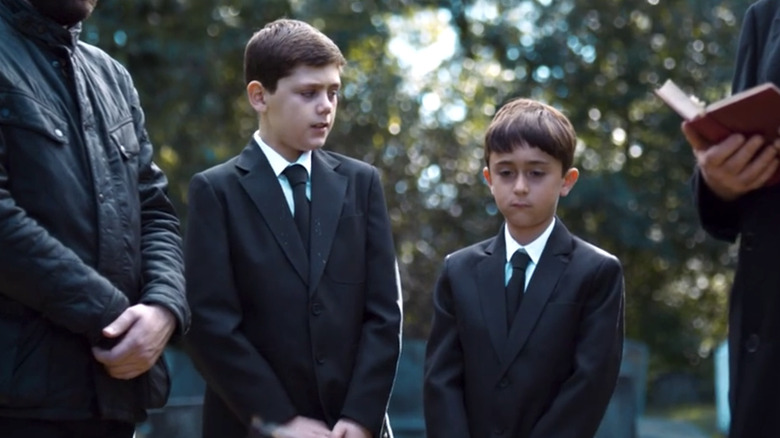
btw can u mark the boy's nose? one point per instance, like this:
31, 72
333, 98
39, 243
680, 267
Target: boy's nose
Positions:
521, 185
325, 105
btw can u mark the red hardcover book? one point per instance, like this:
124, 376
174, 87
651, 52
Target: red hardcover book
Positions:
752, 111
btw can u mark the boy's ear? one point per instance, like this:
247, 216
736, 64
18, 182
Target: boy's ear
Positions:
486, 174
569, 179
256, 94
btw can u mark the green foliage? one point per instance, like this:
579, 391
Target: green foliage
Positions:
596, 60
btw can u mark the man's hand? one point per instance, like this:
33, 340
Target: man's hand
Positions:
346, 428
735, 166
302, 427
146, 330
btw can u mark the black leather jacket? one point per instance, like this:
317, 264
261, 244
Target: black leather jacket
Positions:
86, 227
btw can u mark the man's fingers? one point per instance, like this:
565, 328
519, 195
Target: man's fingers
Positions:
121, 324
766, 173
693, 137
748, 153
125, 372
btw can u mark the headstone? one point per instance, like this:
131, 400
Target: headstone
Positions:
628, 399
676, 388
406, 402
181, 416
722, 387
636, 358
620, 420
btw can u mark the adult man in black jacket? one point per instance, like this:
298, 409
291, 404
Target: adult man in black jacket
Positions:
91, 284
734, 203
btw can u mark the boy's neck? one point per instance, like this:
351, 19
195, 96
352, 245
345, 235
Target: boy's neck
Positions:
526, 236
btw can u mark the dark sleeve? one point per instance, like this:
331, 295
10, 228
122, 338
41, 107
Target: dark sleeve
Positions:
380, 341
42, 274
748, 53
443, 401
718, 217
229, 363
162, 262
579, 406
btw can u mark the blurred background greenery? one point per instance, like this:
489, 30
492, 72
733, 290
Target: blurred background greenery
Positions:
424, 79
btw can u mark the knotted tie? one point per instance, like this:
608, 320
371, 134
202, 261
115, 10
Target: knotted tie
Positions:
297, 176
516, 286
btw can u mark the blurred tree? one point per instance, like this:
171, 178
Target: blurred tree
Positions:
423, 82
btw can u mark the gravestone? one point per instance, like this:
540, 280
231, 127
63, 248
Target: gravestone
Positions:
406, 402
677, 388
722, 387
620, 420
628, 399
181, 416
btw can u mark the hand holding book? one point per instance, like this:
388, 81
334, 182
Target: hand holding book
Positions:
750, 112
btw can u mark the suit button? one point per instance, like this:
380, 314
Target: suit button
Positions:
320, 360
316, 309
503, 383
498, 431
752, 343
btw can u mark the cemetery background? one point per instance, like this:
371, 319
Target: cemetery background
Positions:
424, 79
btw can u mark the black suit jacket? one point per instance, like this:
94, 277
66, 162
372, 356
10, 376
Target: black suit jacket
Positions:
754, 327
276, 333
553, 374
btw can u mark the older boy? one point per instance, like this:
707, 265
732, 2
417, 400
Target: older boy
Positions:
539, 363
292, 283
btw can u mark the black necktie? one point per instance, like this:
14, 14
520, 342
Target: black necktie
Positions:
516, 285
297, 176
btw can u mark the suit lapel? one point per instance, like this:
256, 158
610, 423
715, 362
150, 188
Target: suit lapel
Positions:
328, 189
490, 281
552, 263
262, 186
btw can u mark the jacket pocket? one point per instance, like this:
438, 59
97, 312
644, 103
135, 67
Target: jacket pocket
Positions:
123, 137
18, 110
34, 138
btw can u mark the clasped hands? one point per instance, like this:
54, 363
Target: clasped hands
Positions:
736, 165
145, 330
303, 427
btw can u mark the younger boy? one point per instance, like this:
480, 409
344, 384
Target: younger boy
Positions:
295, 300
539, 364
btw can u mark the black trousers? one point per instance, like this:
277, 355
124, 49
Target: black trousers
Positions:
32, 428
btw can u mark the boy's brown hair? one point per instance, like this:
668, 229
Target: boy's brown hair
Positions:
281, 46
529, 123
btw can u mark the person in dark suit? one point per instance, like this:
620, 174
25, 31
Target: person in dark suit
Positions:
733, 202
527, 349
297, 326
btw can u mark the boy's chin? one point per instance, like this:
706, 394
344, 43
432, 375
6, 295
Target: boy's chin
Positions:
314, 146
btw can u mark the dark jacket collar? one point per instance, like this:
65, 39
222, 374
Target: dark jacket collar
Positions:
26, 19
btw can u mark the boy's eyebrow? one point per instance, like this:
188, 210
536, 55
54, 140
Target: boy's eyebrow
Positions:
538, 161
318, 84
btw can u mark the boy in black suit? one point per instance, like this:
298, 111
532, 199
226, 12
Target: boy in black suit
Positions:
292, 283
536, 364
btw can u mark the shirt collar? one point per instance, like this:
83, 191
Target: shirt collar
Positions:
534, 249
36, 26
278, 162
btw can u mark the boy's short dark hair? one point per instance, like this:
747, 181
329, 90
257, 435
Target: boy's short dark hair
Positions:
526, 122
281, 46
